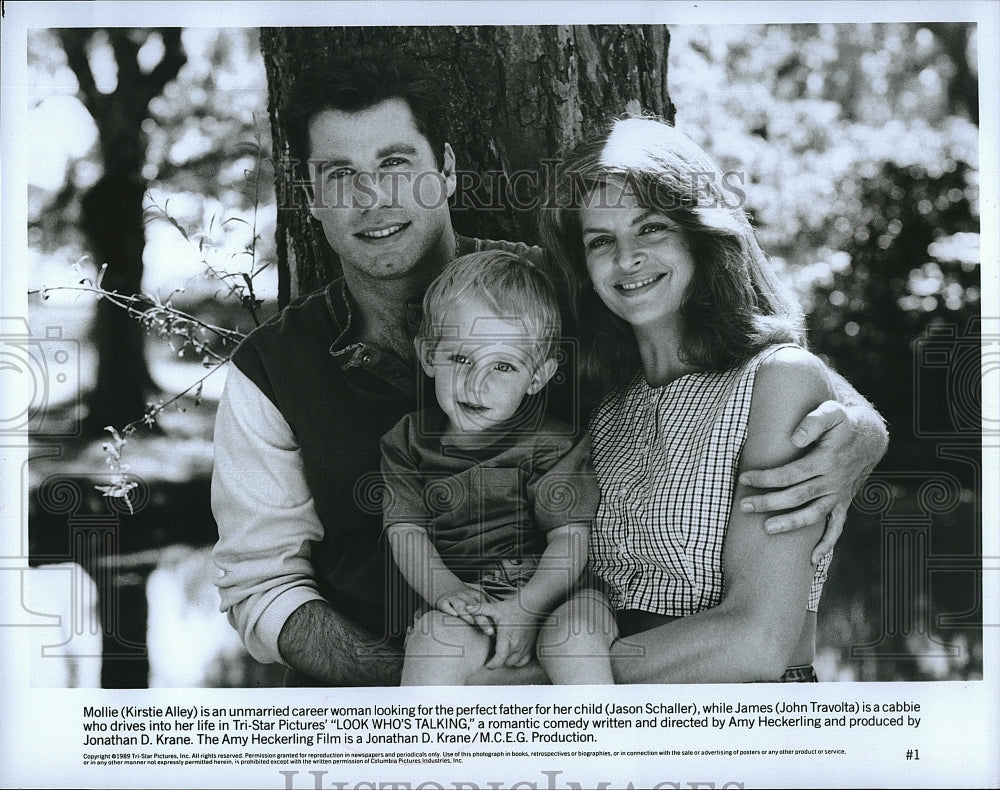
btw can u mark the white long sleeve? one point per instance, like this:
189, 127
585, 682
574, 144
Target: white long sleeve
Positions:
265, 516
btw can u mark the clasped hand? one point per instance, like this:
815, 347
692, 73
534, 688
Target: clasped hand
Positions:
513, 630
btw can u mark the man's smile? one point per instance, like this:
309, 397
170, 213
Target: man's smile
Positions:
382, 233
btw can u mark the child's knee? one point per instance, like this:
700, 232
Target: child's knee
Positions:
435, 632
584, 619
556, 629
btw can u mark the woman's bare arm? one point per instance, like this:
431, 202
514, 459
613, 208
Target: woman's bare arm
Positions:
844, 440
752, 633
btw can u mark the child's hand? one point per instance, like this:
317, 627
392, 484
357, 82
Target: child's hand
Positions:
516, 633
466, 603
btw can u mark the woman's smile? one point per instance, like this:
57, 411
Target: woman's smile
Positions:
630, 287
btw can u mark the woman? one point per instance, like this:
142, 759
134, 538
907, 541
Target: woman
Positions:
682, 320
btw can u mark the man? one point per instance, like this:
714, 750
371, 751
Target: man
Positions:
304, 577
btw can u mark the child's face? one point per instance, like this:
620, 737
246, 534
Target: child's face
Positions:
483, 366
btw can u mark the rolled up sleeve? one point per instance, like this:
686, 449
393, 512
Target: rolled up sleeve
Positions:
266, 518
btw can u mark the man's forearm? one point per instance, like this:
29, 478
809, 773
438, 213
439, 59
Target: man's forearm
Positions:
850, 397
869, 422
318, 641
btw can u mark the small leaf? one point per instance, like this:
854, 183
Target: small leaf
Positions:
120, 489
118, 440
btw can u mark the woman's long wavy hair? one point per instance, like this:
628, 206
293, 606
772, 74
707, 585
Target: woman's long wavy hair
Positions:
734, 306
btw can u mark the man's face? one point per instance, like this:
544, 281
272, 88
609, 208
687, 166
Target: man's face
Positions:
378, 193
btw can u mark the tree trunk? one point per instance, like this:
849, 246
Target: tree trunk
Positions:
517, 97
112, 221
112, 217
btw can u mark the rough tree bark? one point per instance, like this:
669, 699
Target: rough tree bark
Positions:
112, 218
517, 96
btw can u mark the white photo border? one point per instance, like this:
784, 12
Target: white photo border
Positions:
40, 728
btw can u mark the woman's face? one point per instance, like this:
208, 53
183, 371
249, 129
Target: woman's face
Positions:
637, 258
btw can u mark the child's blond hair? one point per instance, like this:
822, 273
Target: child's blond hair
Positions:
513, 287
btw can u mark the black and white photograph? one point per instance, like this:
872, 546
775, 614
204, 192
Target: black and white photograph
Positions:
354, 347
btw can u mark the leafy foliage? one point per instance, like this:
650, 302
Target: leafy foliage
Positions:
857, 147
121, 485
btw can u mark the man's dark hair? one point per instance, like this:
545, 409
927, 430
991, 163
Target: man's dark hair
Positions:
360, 81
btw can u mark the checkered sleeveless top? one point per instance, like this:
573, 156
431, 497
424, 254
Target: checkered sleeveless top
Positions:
666, 458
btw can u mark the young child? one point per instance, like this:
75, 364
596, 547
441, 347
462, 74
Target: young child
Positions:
490, 501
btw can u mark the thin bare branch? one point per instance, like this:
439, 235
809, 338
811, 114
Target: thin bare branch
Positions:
74, 42
141, 306
169, 66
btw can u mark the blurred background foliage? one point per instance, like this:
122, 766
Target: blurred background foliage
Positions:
858, 149
856, 146
206, 182
202, 131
